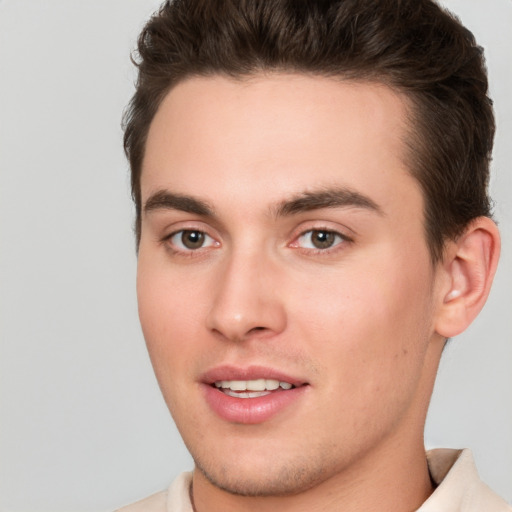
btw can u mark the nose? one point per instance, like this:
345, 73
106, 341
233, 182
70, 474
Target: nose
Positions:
247, 301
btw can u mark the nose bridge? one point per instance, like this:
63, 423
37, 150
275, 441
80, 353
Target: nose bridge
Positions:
246, 299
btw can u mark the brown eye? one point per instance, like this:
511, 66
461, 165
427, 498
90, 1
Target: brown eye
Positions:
323, 239
192, 239
320, 239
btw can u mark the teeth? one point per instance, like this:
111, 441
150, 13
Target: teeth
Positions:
251, 385
238, 385
272, 384
246, 394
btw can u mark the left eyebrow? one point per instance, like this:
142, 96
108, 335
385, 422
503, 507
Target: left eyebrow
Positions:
340, 197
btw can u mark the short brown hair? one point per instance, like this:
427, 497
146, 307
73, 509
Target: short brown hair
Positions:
413, 46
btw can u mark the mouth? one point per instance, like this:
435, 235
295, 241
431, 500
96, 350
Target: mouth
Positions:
251, 395
254, 388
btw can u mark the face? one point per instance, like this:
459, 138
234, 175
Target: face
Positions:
285, 288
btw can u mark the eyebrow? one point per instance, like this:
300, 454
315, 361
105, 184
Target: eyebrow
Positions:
165, 200
338, 197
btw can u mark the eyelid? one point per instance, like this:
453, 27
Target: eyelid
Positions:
179, 229
344, 239
211, 243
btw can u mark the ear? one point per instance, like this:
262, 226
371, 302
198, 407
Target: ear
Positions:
468, 269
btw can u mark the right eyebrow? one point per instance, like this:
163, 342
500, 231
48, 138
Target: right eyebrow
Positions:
165, 200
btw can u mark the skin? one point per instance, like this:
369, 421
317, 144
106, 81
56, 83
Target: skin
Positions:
362, 322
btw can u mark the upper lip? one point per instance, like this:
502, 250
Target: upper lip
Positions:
228, 372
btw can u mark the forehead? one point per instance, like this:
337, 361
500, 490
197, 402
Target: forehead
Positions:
277, 134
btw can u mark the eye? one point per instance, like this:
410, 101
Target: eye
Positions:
191, 240
319, 239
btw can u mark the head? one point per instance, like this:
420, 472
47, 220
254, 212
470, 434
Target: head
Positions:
310, 184
412, 46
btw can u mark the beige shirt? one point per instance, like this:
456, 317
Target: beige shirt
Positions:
459, 489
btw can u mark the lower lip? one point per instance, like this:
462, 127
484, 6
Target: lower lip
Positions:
251, 411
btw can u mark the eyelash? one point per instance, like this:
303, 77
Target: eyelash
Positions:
187, 251
339, 240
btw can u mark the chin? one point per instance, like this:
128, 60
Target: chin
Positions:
272, 478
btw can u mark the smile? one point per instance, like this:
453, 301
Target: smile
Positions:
251, 388
253, 394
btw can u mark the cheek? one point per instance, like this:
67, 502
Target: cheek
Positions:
168, 311
371, 325
351, 302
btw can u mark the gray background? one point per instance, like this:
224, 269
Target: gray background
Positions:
83, 426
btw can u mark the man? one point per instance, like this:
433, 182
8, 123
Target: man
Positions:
310, 181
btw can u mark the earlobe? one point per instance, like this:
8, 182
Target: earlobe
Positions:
469, 266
